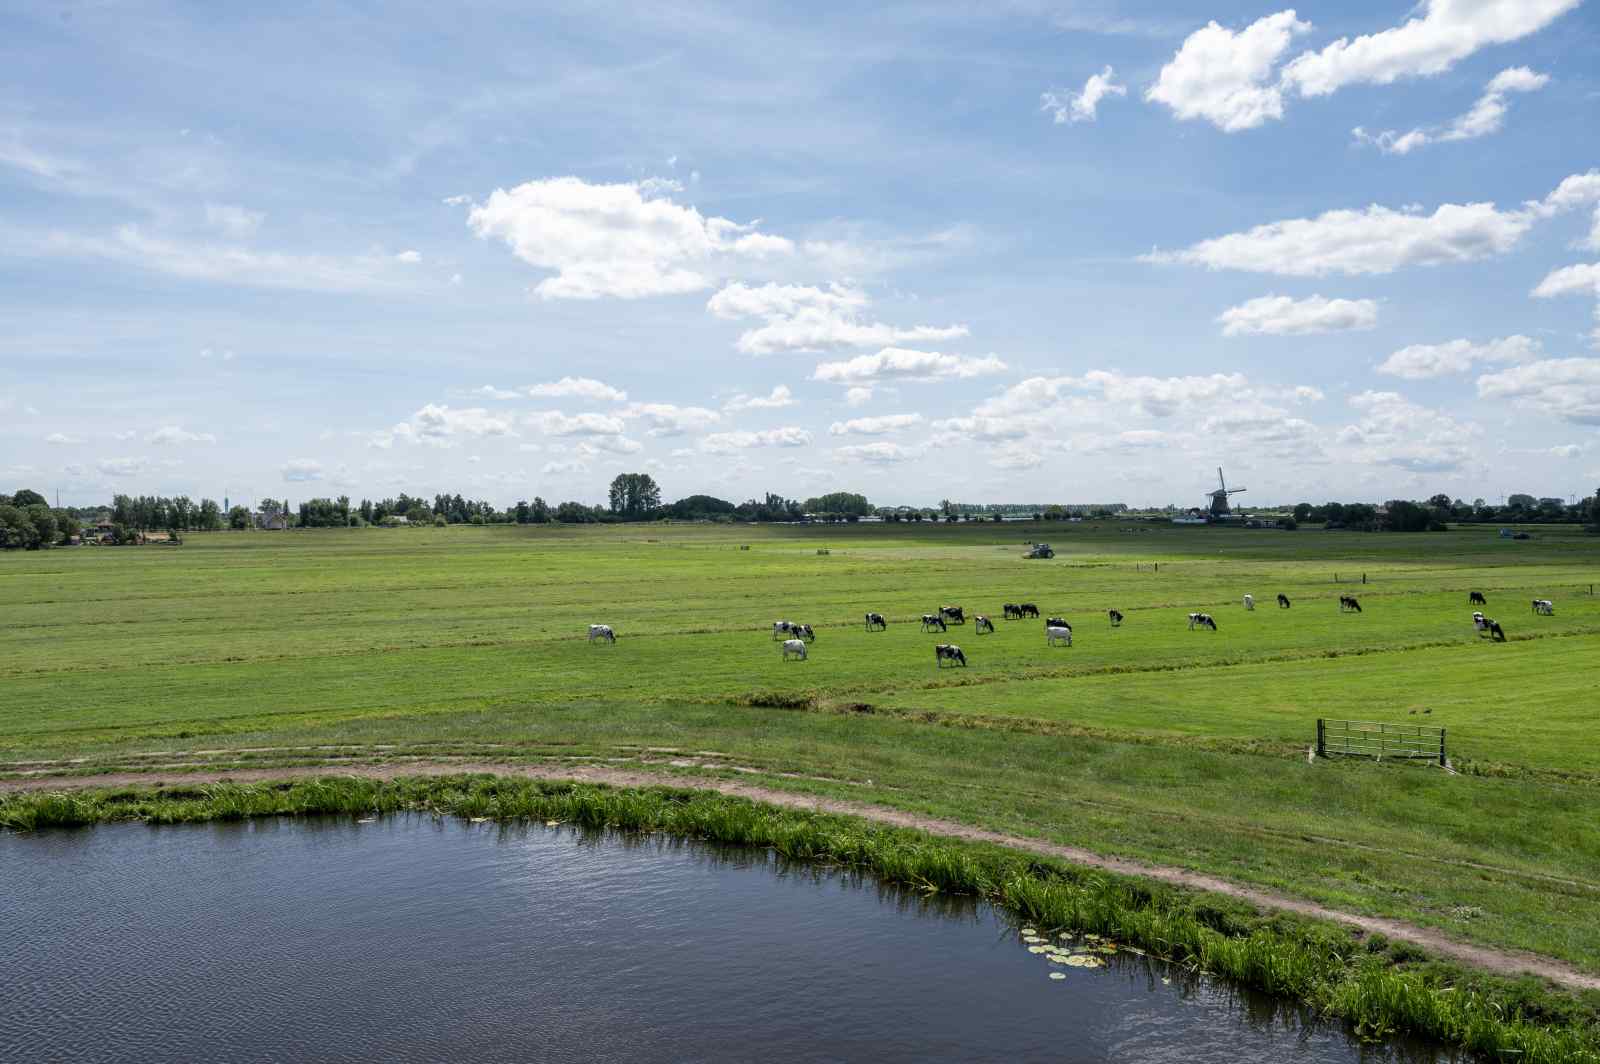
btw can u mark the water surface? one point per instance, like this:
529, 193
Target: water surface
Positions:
409, 939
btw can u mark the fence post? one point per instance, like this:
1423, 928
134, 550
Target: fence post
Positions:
1322, 744
1441, 747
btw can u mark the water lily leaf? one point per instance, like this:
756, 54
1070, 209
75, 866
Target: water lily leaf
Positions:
1035, 949
1058, 975
479, 819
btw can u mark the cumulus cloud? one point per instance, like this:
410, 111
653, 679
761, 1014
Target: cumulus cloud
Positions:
1487, 116
174, 434
666, 419
1158, 397
578, 388
780, 397
858, 396
62, 438
627, 240
805, 318
410, 257
1226, 77
1426, 361
1566, 388
874, 426
1393, 431
983, 428
880, 452
1446, 32
901, 364
1283, 316
732, 442
555, 423
438, 424
489, 391
122, 467
1081, 106
302, 469
1579, 279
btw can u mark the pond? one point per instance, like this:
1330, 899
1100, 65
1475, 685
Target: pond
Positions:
411, 939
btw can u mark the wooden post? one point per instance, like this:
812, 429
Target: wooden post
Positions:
1322, 744
1441, 748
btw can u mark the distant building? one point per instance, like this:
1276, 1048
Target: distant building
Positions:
271, 522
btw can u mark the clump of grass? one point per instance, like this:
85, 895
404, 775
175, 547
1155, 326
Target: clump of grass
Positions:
1310, 961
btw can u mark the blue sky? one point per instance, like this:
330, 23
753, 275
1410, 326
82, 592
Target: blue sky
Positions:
1346, 251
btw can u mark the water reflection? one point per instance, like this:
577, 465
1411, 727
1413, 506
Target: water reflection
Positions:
415, 938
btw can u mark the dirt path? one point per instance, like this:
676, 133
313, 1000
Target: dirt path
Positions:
1507, 962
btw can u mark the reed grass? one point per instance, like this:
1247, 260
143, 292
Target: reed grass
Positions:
1380, 992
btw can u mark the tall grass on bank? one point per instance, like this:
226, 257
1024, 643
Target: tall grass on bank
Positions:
1378, 993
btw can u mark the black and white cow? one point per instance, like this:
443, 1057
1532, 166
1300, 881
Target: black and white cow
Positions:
1249, 602
1475, 598
943, 652
1058, 636
1027, 609
1011, 611
876, 623
953, 614
803, 631
1480, 622
794, 648
932, 621
1202, 620
982, 624
1348, 604
1283, 601
1116, 618
601, 633
1056, 622
1544, 607
1496, 633
782, 629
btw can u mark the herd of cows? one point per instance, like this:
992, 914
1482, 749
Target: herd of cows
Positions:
1057, 632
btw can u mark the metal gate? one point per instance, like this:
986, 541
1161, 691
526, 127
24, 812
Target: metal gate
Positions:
1366, 738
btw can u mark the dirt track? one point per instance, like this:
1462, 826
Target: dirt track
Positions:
1436, 942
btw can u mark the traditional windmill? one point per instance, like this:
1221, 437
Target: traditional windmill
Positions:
1219, 497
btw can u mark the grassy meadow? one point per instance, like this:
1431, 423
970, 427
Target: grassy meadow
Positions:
1148, 741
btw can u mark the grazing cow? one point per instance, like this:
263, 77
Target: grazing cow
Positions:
1116, 617
781, 629
1475, 598
1027, 609
1348, 604
1203, 620
1544, 606
1057, 622
876, 623
1054, 636
948, 651
1496, 633
1480, 622
982, 624
1012, 611
794, 648
1249, 602
953, 614
1283, 601
930, 621
602, 633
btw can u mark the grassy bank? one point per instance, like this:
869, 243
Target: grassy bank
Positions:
1379, 989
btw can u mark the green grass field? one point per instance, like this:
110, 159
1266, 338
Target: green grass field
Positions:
1149, 741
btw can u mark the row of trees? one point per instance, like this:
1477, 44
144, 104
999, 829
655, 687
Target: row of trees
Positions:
1435, 513
28, 522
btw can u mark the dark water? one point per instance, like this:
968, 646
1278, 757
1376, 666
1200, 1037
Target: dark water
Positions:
412, 940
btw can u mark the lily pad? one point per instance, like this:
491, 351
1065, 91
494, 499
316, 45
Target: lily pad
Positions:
1058, 975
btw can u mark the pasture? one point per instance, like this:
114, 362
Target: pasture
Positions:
1147, 740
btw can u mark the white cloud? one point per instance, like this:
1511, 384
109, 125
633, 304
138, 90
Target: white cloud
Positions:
1015, 456
667, 419
1227, 77
122, 467
591, 446
1447, 32
1486, 116
302, 469
1393, 431
555, 423
874, 426
237, 223
1377, 240
805, 318
1157, 397
207, 352
1082, 106
437, 424
780, 397
1426, 361
578, 388
880, 452
858, 396
62, 438
409, 257
1580, 279
564, 467
625, 240
731, 442
984, 428
1565, 450
489, 391
1566, 388
174, 434
1282, 316
456, 201
896, 363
